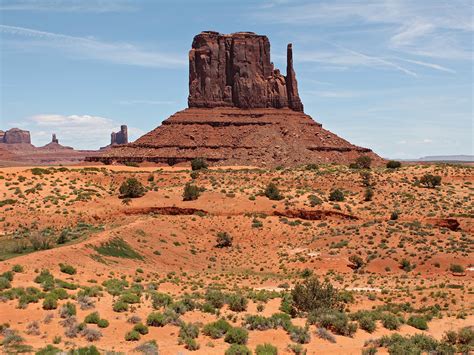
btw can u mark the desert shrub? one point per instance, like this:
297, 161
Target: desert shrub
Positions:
85, 302
217, 329
394, 216
237, 335
103, 323
299, 335
324, 334
50, 302
336, 195
417, 322
406, 265
257, 322
191, 192
362, 162
48, 350
237, 302
191, 344
132, 335
120, 306
118, 248
4, 283
148, 348
188, 330
266, 349
390, 321
272, 192
18, 268
91, 334
223, 240
336, 321
87, 350
367, 323
67, 310
161, 300
215, 297
430, 181
131, 188
416, 344
393, 164
368, 194
67, 269
156, 319
92, 318
129, 297
141, 328
33, 328
198, 164
456, 268
314, 200
312, 295
356, 261
238, 349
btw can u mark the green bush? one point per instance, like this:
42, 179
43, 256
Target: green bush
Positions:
191, 344
390, 321
132, 335
238, 349
215, 297
336, 195
430, 181
198, 164
418, 322
120, 306
161, 300
18, 268
266, 349
237, 335
217, 329
156, 319
67, 269
188, 330
191, 192
312, 295
393, 164
272, 192
456, 268
237, 302
68, 310
336, 321
131, 188
223, 240
299, 335
362, 162
92, 318
356, 261
367, 323
4, 283
103, 323
50, 302
141, 328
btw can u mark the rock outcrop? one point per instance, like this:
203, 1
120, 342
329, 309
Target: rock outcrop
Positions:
242, 111
15, 136
120, 137
235, 71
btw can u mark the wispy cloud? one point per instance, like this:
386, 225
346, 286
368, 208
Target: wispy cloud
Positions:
79, 131
68, 5
89, 48
433, 28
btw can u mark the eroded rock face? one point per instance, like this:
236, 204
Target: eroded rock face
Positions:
120, 137
235, 71
16, 136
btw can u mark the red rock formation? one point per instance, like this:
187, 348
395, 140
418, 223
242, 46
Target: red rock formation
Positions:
16, 136
241, 111
235, 70
120, 137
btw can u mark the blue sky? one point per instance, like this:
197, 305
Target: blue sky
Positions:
392, 75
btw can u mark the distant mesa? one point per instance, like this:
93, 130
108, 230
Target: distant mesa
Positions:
15, 136
242, 111
120, 137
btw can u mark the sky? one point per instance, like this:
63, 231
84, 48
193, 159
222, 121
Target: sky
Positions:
392, 75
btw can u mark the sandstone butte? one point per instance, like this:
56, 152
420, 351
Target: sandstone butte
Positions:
242, 111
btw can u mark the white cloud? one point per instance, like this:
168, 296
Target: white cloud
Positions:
90, 48
79, 131
68, 5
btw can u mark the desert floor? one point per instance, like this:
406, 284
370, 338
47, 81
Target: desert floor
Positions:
122, 257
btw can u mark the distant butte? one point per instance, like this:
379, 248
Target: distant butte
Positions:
242, 111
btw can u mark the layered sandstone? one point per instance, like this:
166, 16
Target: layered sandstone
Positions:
242, 111
235, 70
15, 136
120, 137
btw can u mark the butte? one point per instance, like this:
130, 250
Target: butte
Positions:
241, 111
